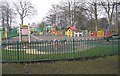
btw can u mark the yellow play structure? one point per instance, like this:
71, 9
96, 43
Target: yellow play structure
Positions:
100, 33
70, 31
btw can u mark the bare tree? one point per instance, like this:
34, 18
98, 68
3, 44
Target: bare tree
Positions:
24, 9
2, 14
7, 14
94, 10
95, 13
67, 12
54, 14
117, 8
109, 7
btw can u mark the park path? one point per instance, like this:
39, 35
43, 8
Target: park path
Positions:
47, 37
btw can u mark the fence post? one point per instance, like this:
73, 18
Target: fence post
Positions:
112, 43
74, 48
18, 50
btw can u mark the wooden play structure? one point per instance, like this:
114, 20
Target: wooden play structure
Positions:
73, 32
70, 31
82, 33
53, 31
100, 34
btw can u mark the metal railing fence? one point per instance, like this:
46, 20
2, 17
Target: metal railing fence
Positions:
56, 50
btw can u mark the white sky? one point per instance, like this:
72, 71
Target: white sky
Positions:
42, 7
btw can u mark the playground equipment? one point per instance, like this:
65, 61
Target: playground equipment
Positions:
39, 30
70, 31
83, 33
101, 34
78, 34
8, 34
53, 31
48, 28
108, 33
5, 35
93, 34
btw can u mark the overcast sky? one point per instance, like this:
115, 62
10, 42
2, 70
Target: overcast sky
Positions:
42, 7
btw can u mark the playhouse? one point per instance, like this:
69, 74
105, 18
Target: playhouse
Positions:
70, 31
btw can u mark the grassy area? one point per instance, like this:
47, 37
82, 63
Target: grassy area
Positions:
23, 56
107, 65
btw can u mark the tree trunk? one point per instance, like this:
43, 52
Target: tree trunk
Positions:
96, 19
21, 20
3, 20
7, 21
69, 13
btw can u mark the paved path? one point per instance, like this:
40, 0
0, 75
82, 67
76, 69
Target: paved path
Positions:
50, 37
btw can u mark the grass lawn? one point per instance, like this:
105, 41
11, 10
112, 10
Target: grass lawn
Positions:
106, 65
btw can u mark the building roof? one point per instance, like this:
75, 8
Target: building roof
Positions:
72, 28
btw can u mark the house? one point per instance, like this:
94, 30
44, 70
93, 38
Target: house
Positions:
70, 31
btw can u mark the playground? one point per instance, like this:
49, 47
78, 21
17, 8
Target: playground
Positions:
26, 46
66, 37
29, 48
26, 33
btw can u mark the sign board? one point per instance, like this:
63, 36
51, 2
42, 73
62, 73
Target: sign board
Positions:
24, 33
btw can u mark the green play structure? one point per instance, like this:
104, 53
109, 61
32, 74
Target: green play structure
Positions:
38, 31
11, 33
